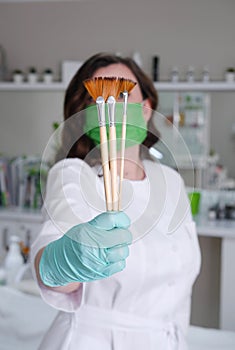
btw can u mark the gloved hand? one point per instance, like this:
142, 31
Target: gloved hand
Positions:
88, 251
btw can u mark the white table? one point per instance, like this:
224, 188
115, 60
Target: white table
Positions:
224, 229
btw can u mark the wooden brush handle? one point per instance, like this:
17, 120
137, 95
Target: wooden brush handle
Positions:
122, 154
105, 166
113, 166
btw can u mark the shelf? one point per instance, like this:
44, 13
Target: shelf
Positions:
160, 86
15, 213
197, 86
215, 228
10, 86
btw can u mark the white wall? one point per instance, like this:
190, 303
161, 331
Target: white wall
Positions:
26, 120
181, 32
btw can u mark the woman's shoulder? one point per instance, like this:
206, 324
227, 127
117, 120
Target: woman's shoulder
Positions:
156, 167
73, 164
69, 170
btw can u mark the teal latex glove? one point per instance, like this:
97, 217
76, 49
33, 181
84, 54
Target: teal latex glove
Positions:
88, 251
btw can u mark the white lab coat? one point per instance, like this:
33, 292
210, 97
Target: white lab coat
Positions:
147, 305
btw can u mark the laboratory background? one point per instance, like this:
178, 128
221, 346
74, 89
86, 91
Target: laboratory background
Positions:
187, 47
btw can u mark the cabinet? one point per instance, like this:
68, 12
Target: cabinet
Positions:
25, 224
184, 129
225, 230
188, 147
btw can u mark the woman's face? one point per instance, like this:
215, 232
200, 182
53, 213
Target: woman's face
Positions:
122, 71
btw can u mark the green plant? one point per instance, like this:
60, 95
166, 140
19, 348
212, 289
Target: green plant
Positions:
230, 70
32, 70
55, 125
48, 71
17, 71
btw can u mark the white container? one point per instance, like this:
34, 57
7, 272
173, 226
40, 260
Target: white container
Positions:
205, 75
47, 78
69, 69
137, 58
175, 75
230, 77
32, 78
18, 78
190, 74
14, 260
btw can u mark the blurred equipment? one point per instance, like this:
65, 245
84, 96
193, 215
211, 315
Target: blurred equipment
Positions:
3, 64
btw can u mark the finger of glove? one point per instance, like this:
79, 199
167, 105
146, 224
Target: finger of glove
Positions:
117, 254
110, 220
93, 237
112, 238
114, 268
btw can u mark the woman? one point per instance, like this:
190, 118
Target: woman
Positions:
119, 279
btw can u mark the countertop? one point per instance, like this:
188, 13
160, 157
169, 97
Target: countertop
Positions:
215, 228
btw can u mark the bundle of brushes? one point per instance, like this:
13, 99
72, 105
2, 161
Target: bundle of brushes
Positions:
106, 90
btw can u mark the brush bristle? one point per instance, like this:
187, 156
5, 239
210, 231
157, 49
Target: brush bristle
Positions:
94, 87
128, 85
108, 86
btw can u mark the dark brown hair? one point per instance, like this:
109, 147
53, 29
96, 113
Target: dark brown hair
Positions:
77, 99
